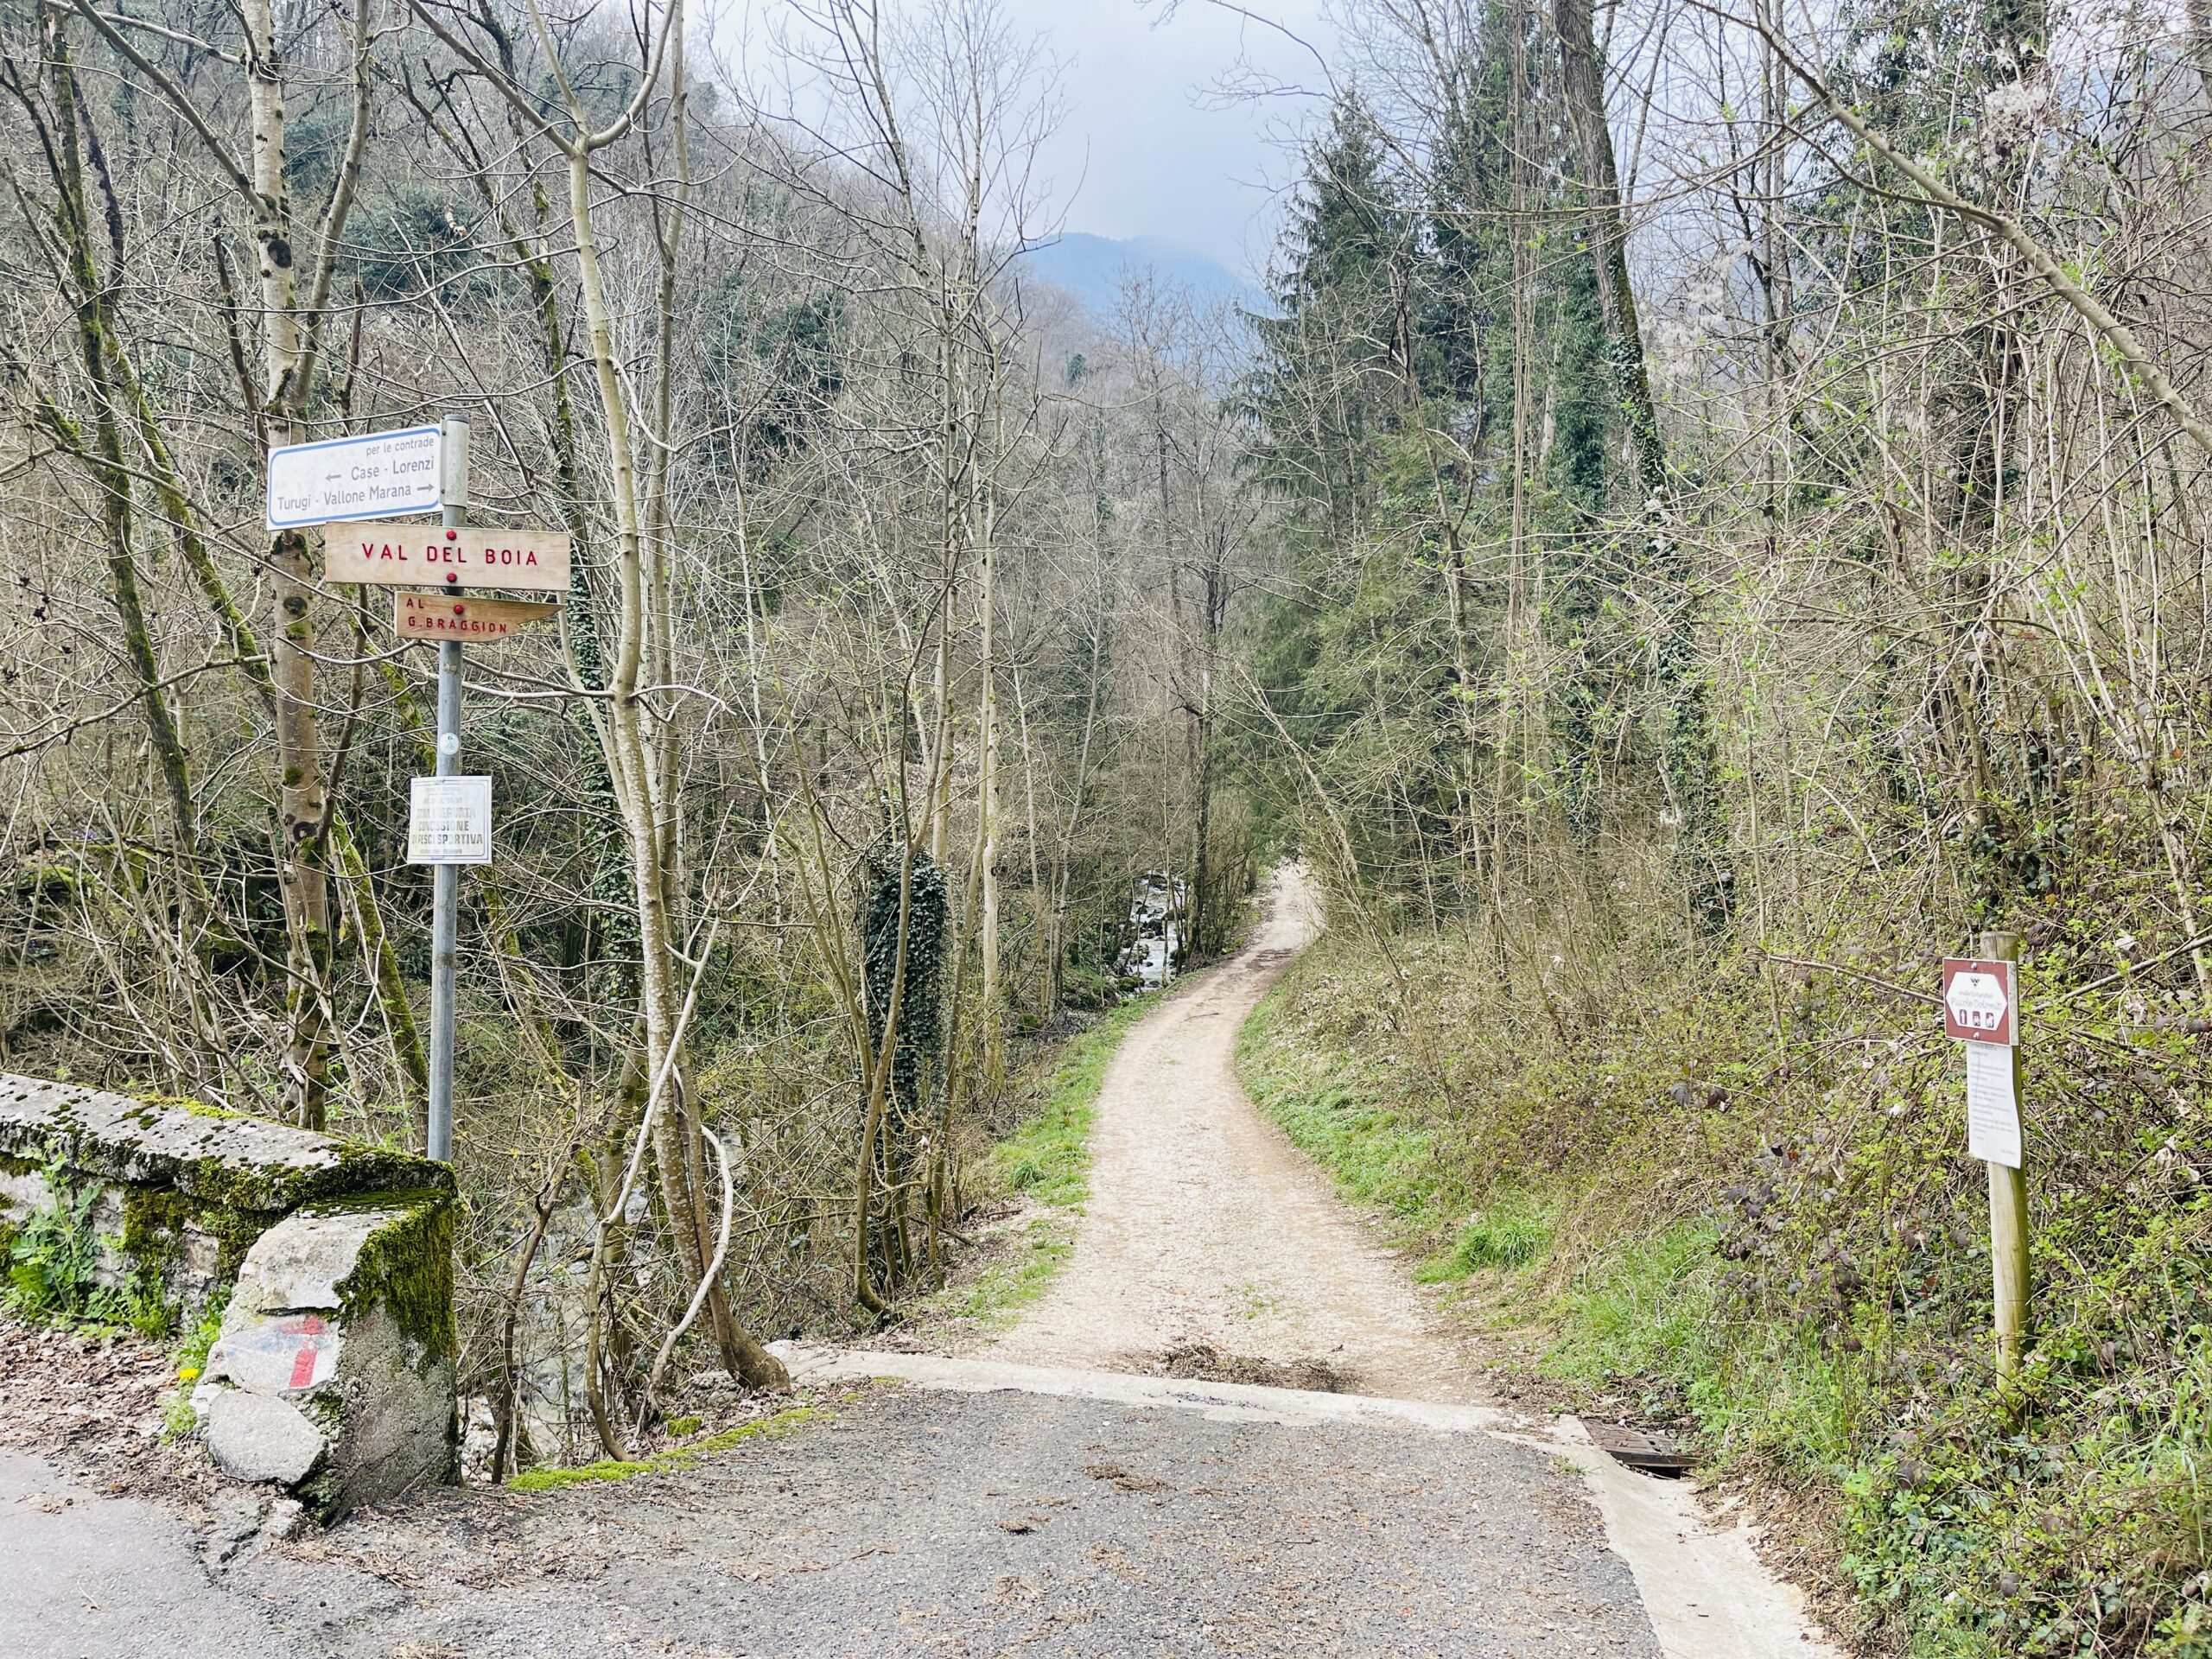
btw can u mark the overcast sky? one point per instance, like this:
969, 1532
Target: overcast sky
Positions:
1175, 112
1150, 146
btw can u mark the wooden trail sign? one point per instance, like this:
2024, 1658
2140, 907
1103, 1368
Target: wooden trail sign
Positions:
457, 556
464, 617
1981, 1008
1980, 1000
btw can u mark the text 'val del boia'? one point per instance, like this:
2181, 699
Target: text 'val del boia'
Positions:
388, 554
352, 489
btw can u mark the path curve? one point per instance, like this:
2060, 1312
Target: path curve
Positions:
1205, 1223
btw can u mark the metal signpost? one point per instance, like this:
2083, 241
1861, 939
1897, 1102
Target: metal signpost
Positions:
445, 876
351, 486
1981, 1009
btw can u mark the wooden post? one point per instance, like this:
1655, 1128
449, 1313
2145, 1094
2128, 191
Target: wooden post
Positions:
2008, 1193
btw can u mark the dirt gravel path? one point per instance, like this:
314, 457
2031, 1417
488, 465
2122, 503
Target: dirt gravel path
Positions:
989, 1507
1205, 1224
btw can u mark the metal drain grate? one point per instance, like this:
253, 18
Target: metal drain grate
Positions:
1653, 1454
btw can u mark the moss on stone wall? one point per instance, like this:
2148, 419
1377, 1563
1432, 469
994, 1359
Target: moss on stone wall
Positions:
210, 1152
789, 1420
406, 1267
155, 1221
182, 1170
195, 1105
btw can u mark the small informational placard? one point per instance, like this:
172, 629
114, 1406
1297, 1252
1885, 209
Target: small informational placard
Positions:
373, 476
449, 821
443, 616
1980, 1000
1992, 1105
408, 555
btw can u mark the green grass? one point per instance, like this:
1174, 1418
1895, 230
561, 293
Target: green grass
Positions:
1649, 1316
191, 1359
1512, 1230
788, 1421
1383, 1159
1643, 1310
999, 1293
1048, 1158
1378, 1157
1787, 1261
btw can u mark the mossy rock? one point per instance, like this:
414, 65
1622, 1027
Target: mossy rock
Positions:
218, 1157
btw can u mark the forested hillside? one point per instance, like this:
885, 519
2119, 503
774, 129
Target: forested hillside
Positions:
882, 675
1740, 537
1708, 519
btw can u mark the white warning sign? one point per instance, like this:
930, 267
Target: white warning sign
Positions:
1992, 1105
449, 821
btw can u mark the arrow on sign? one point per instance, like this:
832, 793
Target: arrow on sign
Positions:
450, 616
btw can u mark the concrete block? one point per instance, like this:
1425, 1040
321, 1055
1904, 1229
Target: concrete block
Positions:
343, 1316
203, 1152
182, 1188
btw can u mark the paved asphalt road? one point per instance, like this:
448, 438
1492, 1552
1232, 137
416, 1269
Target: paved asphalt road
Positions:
1037, 1500
908, 1522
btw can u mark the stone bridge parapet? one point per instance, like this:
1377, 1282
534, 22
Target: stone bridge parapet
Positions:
333, 1373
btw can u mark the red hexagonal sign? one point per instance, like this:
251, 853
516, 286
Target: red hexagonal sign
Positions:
1980, 1000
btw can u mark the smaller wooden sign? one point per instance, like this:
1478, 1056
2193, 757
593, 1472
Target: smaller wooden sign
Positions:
464, 555
457, 616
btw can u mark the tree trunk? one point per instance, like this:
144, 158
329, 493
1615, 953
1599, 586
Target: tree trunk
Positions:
641, 808
99, 351
988, 833
1688, 763
302, 811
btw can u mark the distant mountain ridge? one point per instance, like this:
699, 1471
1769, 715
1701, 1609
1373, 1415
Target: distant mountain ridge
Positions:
1092, 269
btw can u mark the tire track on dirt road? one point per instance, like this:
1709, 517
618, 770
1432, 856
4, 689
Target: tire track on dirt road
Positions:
1205, 1224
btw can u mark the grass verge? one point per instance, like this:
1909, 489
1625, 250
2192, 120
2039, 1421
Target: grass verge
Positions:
1333, 1107
788, 1421
1047, 1159
1738, 1203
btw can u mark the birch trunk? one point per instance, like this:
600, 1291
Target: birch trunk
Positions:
638, 797
303, 811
